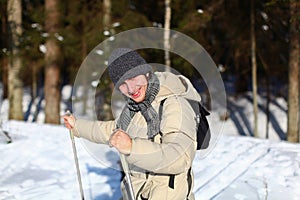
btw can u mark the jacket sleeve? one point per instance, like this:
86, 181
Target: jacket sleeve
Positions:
177, 149
94, 131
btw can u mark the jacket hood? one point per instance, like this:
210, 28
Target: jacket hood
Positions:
175, 85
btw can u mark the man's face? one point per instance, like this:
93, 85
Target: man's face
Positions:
135, 88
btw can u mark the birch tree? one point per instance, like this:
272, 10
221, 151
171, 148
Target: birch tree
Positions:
15, 84
167, 34
254, 69
53, 62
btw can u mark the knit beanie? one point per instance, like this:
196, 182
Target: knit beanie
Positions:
124, 64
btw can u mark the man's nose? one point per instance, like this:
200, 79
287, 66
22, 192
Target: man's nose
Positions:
130, 87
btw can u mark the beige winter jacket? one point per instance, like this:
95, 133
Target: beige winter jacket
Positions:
172, 152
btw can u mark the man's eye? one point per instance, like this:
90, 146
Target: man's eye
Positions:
122, 85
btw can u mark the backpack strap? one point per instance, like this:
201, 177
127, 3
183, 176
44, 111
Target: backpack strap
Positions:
171, 176
161, 108
190, 182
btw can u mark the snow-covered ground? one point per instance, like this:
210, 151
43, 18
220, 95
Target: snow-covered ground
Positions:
39, 163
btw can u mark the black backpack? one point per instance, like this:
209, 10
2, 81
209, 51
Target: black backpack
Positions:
203, 130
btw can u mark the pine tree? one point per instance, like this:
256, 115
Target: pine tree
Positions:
15, 83
294, 64
53, 59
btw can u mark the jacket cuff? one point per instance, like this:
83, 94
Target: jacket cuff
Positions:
78, 123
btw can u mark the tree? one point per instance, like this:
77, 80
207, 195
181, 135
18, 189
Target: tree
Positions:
105, 86
53, 59
4, 57
167, 27
15, 84
294, 64
254, 69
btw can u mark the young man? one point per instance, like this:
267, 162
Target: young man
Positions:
159, 147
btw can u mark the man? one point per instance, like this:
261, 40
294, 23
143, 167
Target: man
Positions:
159, 143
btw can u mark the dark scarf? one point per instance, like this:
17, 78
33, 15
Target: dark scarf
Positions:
145, 107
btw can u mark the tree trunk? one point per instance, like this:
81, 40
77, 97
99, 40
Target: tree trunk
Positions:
167, 34
254, 70
84, 52
5, 77
293, 92
267, 70
15, 86
106, 14
34, 81
4, 58
105, 92
53, 62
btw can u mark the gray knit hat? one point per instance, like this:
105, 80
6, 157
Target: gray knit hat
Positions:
124, 64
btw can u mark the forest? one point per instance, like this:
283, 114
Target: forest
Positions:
254, 44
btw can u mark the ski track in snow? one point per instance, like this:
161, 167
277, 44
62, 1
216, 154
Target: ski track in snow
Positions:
235, 168
39, 164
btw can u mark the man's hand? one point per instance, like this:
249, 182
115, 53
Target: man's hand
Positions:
69, 121
121, 141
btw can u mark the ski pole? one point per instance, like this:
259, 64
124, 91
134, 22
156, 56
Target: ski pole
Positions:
127, 182
68, 113
129, 187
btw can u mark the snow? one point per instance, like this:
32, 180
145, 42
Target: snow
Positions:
116, 24
42, 48
200, 11
106, 33
59, 37
39, 163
